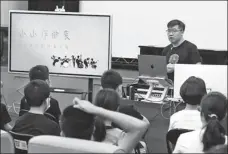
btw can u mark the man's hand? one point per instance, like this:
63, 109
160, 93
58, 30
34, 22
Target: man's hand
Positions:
84, 105
170, 68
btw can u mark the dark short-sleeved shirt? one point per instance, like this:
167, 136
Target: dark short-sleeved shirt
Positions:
53, 112
36, 124
187, 54
4, 117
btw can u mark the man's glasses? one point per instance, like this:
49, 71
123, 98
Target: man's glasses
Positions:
173, 30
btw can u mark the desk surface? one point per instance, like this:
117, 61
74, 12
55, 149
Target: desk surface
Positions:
67, 90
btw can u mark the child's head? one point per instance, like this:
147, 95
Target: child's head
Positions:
76, 123
107, 99
213, 110
192, 90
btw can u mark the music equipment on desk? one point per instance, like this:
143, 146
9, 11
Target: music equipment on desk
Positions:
153, 72
152, 91
149, 92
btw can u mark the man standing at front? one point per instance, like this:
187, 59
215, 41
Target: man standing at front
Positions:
180, 50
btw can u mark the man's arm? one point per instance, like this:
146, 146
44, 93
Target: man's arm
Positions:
164, 51
170, 68
195, 57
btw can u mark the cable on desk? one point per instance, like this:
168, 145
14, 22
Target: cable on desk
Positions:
133, 81
170, 103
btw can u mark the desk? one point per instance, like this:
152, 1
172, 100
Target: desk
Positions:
69, 91
150, 110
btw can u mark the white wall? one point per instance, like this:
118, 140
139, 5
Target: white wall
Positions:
11, 5
144, 23
214, 76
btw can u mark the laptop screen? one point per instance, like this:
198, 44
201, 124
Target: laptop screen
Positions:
152, 65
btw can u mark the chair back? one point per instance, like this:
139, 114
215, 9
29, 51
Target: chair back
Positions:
21, 142
172, 136
7, 145
57, 144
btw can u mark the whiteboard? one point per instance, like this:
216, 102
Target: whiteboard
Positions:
214, 76
144, 23
68, 43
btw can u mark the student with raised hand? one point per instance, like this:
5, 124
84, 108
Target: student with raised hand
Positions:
41, 72
133, 127
213, 110
191, 91
34, 122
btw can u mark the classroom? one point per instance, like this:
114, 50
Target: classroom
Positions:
113, 76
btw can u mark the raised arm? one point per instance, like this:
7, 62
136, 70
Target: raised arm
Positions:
134, 128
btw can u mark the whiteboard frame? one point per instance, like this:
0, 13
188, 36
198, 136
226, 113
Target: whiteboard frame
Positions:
60, 13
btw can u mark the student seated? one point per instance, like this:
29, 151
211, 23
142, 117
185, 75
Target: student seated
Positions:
4, 117
112, 80
41, 72
109, 100
213, 110
105, 132
78, 122
34, 122
191, 91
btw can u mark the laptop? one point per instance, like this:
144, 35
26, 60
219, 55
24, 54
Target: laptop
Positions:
153, 67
